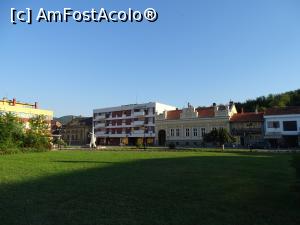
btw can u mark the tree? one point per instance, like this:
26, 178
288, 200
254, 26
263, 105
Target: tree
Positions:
224, 137
220, 136
291, 98
211, 137
38, 136
11, 131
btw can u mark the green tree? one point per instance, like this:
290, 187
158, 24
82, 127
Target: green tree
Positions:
211, 137
219, 137
11, 131
224, 137
291, 98
38, 136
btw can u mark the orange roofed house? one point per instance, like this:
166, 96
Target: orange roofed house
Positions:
187, 126
248, 128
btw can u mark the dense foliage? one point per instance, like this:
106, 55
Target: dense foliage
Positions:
15, 136
291, 98
219, 137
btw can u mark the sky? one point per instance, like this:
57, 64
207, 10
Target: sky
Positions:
199, 51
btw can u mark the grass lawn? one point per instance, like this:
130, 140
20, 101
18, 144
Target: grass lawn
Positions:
136, 188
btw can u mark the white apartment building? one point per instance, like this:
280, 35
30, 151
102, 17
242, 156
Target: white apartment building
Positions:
127, 124
282, 126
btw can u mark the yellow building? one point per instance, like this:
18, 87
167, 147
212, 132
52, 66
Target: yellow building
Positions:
188, 126
24, 111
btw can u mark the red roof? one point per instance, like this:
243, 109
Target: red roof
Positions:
283, 110
202, 112
173, 114
248, 117
206, 112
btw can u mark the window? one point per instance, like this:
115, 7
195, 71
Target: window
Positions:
203, 132
187, 132
195, 132
177, 132
290, 125
273, 124
214, 128
172, 132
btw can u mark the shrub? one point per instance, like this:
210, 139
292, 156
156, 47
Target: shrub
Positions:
140, 143
172, 146
14, 137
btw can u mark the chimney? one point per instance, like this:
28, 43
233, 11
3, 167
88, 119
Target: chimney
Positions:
35, 105
242, 110
256, 110
14, 101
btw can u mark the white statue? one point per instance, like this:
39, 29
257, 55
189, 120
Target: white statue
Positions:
93, 139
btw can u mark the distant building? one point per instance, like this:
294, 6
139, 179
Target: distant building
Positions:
77, 131
248, 128
282, 126
187, 127
24, 111
127, 124
56, 127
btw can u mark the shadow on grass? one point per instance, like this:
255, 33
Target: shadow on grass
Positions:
187, 191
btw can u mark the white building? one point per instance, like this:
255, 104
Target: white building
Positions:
127, 124
282, 126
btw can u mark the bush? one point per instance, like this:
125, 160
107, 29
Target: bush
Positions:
140, 143
59, 142
172, 146
34, 140
14, 137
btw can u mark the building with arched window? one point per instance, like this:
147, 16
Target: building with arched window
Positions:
187, 126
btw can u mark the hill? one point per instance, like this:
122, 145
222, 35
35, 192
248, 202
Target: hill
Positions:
64, 119
290, 98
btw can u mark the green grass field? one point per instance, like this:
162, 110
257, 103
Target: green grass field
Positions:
136, 188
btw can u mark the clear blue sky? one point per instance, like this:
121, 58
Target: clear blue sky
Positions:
198, 51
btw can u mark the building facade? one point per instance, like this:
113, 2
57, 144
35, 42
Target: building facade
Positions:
77, 131
127, 124
188, 126
24, 111
282, 126
248, 128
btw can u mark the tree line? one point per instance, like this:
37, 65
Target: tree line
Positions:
291, 98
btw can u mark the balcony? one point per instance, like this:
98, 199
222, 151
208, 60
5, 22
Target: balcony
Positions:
138, 123
118, 135
246, 131
150, 124
99, 125
100, 134
139, 113
138, 132
99, 118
